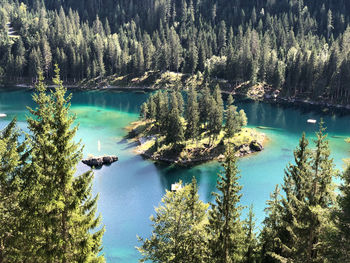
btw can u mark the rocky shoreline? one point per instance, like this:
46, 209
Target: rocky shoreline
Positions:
242, 151
196, 155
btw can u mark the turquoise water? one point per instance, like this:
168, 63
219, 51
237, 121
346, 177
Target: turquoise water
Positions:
130, 188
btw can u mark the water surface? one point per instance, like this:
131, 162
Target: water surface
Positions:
130, 188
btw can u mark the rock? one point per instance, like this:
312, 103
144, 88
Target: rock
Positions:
221, 158
244, 149
256, 146
99, 161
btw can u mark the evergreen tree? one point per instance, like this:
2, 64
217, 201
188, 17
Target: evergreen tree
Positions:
144, 111
216, 113
225, 232
295, 207
205, 104
152, 108
305, 211
243, 120
270, 244
178, 228
12, 164
215, 119
251, 242
342, 243
192, 115
175, 132
232, 124
64, 209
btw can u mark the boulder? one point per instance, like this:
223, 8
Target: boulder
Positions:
244, 149
100, 161
256, 146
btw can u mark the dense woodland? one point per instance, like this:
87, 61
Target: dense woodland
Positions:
47, 212
298, 46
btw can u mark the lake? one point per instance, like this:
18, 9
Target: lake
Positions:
130, 188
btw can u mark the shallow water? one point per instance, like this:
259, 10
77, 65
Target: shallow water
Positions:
130, 188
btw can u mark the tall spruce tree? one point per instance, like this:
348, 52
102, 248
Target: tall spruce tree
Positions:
192, 115
270, 244
63, 208
205, 104
305, 211
225, 232
295, 206
232, 124
175, 130
216, 111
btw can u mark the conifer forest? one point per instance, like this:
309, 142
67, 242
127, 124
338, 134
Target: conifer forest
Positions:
196, 156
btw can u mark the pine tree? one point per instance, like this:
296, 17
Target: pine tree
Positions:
205, 104
198, 217
243, 120
342, 243
218, 97
152, 108
216, 113
251, 242
175, 132
294, 206
270, 243
144, 111
305, 210
12, 164
225, 231
214, 125
180, 100
178, 228
66, 212
232, 125
192, 115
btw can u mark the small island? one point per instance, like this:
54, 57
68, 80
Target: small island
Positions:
97, 162
192, 128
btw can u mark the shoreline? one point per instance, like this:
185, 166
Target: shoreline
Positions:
197, 161
267, 97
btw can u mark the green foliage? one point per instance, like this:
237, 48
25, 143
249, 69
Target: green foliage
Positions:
52, 210
178, 228
144, 111
192, 115
204, 114
175, 130
298, 226
225, 231
341, 243
294, 46
251, 254
11, 172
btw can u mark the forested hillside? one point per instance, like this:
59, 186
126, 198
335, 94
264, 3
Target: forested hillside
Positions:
299, 47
